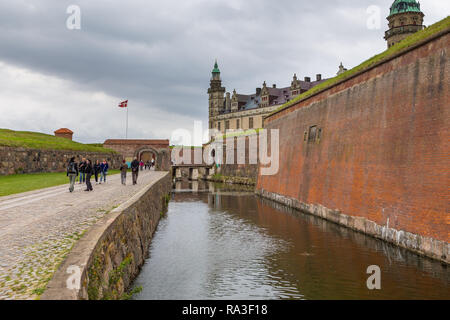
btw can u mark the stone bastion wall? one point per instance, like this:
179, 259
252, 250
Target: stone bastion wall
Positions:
21, 160
105, 261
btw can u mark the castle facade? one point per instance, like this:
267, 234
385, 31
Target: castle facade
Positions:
246, 111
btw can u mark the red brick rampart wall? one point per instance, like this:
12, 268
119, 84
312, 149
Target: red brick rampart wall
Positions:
383, 153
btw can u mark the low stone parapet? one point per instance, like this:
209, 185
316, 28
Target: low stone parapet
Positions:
105, 261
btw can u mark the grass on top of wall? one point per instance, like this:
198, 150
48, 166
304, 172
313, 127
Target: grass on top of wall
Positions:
398, 47
37, 140
18, 183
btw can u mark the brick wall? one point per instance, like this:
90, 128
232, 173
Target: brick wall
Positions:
384, 148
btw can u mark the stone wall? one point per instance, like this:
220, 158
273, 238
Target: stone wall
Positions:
105, 261
228, 170
22, 160
379, 155
236, 165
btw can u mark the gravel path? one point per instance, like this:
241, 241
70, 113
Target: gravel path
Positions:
39, 228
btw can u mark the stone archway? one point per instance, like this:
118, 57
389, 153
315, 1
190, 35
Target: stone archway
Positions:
148, 153
135, 148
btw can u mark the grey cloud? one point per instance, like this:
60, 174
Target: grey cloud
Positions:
160, 53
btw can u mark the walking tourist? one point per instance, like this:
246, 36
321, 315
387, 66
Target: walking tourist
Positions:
81, 167
153, 162
123, 172
97, 170
72, 173
135, 170
89, 170
141, 165
103, 171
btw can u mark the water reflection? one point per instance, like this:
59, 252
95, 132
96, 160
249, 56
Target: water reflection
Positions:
222, 242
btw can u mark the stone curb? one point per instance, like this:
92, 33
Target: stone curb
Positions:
82, 255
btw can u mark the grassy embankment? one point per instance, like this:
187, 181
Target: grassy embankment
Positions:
392, 51
18, 183
36, 140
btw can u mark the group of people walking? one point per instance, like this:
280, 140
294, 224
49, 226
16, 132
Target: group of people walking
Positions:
85, 169
148, 165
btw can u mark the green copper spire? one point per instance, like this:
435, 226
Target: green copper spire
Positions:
401, 6
216, 68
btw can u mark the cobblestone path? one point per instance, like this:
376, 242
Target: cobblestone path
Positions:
39, 228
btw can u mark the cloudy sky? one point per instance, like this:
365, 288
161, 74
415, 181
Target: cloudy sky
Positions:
159, 55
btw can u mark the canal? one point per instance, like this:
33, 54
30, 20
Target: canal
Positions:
223, 242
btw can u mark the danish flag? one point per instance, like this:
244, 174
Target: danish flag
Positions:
123, 104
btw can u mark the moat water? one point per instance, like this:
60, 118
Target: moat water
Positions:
222, 242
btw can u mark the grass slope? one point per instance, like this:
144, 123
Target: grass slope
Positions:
36, 140
18, 183
398, 47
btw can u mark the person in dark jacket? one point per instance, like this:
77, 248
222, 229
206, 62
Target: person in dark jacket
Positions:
135, 170
81, 169
72, 173
89, 170
123, 172
97, 170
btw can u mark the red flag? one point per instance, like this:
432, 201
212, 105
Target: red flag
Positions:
123, 104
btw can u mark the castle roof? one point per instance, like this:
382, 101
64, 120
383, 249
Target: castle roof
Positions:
216, 68
402, 6
137, 141
64, 130
278, 95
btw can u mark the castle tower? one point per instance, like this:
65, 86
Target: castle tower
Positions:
295, 86
404, 19
216, 95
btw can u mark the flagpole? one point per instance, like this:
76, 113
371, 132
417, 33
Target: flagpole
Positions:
126, 132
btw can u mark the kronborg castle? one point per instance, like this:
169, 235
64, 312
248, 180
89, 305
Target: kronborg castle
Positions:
247, 111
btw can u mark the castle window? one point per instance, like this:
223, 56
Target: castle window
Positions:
312, 134
227, 125
250, 123
218, 126
238, 125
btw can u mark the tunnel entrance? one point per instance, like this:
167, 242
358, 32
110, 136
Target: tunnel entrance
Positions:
146, 156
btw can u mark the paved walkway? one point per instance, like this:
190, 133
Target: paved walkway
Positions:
39, 228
